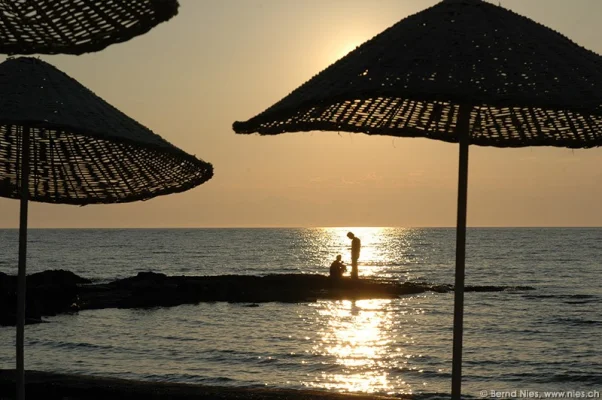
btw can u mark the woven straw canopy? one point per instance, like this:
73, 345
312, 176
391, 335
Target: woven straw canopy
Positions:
82, 150
527, 85
76, 26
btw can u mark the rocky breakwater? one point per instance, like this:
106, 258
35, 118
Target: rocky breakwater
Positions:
149, 289
48, 293
63, 291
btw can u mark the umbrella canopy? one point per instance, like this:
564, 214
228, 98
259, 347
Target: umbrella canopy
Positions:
82, 150
87, 154
76, 26
527, 84
60, 143
462, 71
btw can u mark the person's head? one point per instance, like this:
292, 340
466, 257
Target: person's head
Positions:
339, 257
350, 235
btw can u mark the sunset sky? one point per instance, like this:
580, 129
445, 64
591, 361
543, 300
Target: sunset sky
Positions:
220, 61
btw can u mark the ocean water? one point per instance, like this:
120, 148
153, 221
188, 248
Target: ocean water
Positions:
547, 339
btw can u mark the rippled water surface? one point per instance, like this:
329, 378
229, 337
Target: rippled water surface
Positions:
546, 339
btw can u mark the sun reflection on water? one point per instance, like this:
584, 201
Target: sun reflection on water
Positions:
366, 345
381, 249
359, 337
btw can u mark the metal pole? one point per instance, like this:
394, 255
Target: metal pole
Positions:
22, 264
462, 131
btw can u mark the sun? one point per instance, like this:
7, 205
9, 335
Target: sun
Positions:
345, 48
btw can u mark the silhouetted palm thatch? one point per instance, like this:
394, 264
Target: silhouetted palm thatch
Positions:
76, 26
527, 85
82, 150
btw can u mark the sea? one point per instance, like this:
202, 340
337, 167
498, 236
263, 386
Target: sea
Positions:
536, 341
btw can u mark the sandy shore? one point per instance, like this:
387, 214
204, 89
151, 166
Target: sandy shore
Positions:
52, 386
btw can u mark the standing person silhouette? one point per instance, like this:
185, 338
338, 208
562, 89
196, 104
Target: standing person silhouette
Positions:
356, 245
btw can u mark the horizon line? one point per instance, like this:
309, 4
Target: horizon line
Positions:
318, 227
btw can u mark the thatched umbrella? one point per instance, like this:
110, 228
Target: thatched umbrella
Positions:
60, 143
67, 27
462, 71
76, 26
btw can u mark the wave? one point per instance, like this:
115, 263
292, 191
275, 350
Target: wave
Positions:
564, 377
576, 298
576, 321
577, 377
72, 345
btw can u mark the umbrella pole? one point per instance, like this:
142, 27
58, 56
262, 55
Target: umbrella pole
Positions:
462, 131
22, 264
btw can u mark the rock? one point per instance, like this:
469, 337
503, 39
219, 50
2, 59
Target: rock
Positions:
53, 292
56, 277
47, 293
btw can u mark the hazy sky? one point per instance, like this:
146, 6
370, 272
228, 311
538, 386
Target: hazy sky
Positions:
224, 60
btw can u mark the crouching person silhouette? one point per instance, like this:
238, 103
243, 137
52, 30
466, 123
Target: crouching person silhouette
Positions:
337, 268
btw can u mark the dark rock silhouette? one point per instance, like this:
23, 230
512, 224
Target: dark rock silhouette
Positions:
48, 293
53, 292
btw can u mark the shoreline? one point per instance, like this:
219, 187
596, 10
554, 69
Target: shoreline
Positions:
56, 386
